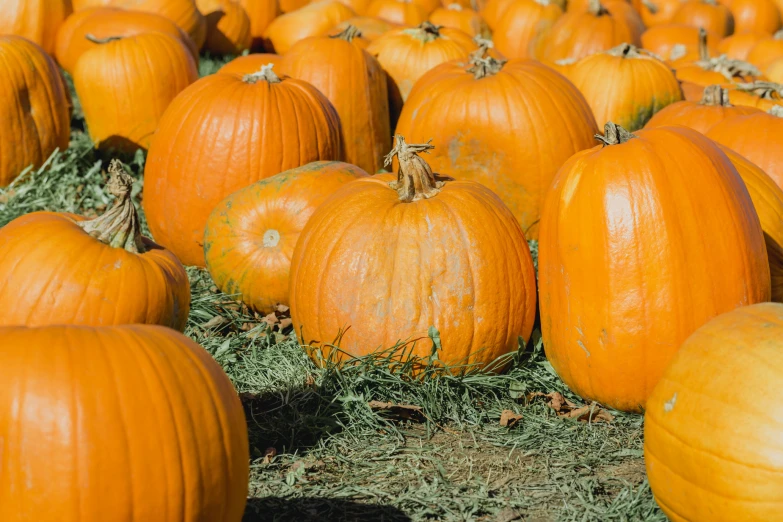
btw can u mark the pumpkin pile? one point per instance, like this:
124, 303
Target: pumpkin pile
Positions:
379, 167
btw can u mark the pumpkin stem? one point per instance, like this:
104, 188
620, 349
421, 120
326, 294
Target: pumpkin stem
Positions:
454, 7
715, 95
415, 179
426, 31
777, 110
704, 51
348, 34
596, 9
778, 35
677, 52
94, 39
764, 90
266, 73
614, 135
119, 226
625, 50
481, 64
650, 6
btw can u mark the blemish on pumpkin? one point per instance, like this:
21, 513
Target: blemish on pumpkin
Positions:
583, 347
118, 264
669, 405
271, 238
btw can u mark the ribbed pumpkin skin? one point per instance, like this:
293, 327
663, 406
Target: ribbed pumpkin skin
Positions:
457, 261
698, 116
755, 16
38, 123
250, 64
522, 23
72, 278
715, 18
126, 423
261, 13
662, 39
251, 235
400, 12
228, 26
222, 134
711, 446
738, 46
315, 19
120, 88
356, 85
622, 235
625, 86
36, 20
485, 130
184, 13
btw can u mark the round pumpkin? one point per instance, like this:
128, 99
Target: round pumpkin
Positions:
261, 14
493, 12
767, 51
713, 108
228, 26
774, 71
682, 40
250, 236
762, 95
239, 130
738, 46
418, 254
625, 85
464, 19
712, 446
401, 12
287, 6
252, 63
622, 234
37, 124
315, 19
656, 12
184, 13
489, 121
133, 423
523, 22
715, 18
370, 28
36, 20
120, 88
97, 272
755, 16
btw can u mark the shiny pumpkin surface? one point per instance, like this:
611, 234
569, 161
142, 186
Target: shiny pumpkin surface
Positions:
755, 16
36, 20
715, 18
713, 108
315, 19
522, 23
261, 14
184, 13
228, 26
250, 63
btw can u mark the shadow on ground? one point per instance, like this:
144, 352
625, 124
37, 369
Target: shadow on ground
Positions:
319, 509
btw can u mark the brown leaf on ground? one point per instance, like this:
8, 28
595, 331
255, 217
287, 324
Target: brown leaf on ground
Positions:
405, 411
568, 410
215, 322
269, 454
554, 400
281, 308
271, 319
509, 419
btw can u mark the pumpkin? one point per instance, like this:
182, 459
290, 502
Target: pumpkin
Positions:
133, 423
715, 18
228, 26
370, 28
261, 14
472, 278
120, 88
79, 5
713, 108
523, 22
355, 84
356, 38
494, 12
109, 22
633, 85
464, 19
767, 51
774, 71
711, 450
36, 20
737, 46
184, 13
487, 120
238, 130
38, 123
754, 16
358, 6
762, 95
622, 233
287, 6
96, 272
315, 19
657, 12
250, 236
758, 136
767, 199
250, 64
401, 12
676, 42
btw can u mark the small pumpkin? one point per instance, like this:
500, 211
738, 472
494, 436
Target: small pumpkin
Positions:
715, 18
712, 451
767, 51
464, 19
738, 45
249, 64
370, 28
713, 108
261, 14
228, 26
250, 236
157, 426
754, 16
184, 13
36, 20
401, 12
523, 23
677, 42
622, 233
96, 272
37, 124
315, 19
384, 260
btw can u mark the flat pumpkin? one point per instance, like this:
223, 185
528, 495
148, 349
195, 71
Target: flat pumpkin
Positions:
656, 12
622, 234
250, 236
96, 272
713, 108
36, 20
774, 70
493, 12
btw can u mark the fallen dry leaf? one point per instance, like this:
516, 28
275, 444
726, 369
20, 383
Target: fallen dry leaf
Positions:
554, 400
568, 410
281, 308
269, 454
405, 411
509, 419
271, 319
216, 321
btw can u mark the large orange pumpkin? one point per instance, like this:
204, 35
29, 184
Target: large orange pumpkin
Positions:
252, 63
712, 445
401, 12
738, 46
384, 261
261, 13
223, 133
462, 18
524, 21
228, 26
36, 20
184, 13
754, 16
250, 236
487, 120
493, 12
134, 423
628, 265
715, 18
37, 123
656, 12
95, 272
370, 28
120, 88
315, 19
713, 108
767, 51
682, 40
355, 84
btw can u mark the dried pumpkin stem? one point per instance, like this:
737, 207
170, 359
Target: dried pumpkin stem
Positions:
415, 179
777, 110
426, 31
715, 95
481, 64
596, 9
119, 227
454, 7
266, 73
704, 51
94, 39
625, 50
614, 135
348, 34
778, 35
764, 90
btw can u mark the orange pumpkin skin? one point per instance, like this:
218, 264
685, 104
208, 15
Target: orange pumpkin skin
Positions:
662, 40
261, 14
251, 137
657, 12
774, 71
370, 28
158, 428
35, 126
228, 26
36, 20
767, 51
184, 13
315, 19
250, 64
646, 85
457, 261
401, 12
287, 6
494, 10
119, 85
712, 16
356, 85
755, 16
106, 22
738, 46
462, 116
762, 95
80, 5
523, 22
465, 19
711, 450
251, 235
713, 108
358, 6
636, 210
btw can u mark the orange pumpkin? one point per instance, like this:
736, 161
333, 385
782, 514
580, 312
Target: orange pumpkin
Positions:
737, 46
251, 235
358, 6
184, 13
287, 6
421, 253
715, 18
762, 95
36, 20
711, 449
622, 233
228, 26
97, 272
401, 12
493, 12
486, 119
464, 19
754, 16
355, 84
250, 64
261, 14
625, 85
657, 12
79, 5
679, 43
315, 19
120, 88
370, 28
767, 51
37, 124
774, 71
523, 22
239, 130
137, 423
713, 108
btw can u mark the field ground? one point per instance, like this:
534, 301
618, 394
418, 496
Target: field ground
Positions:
325, 443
